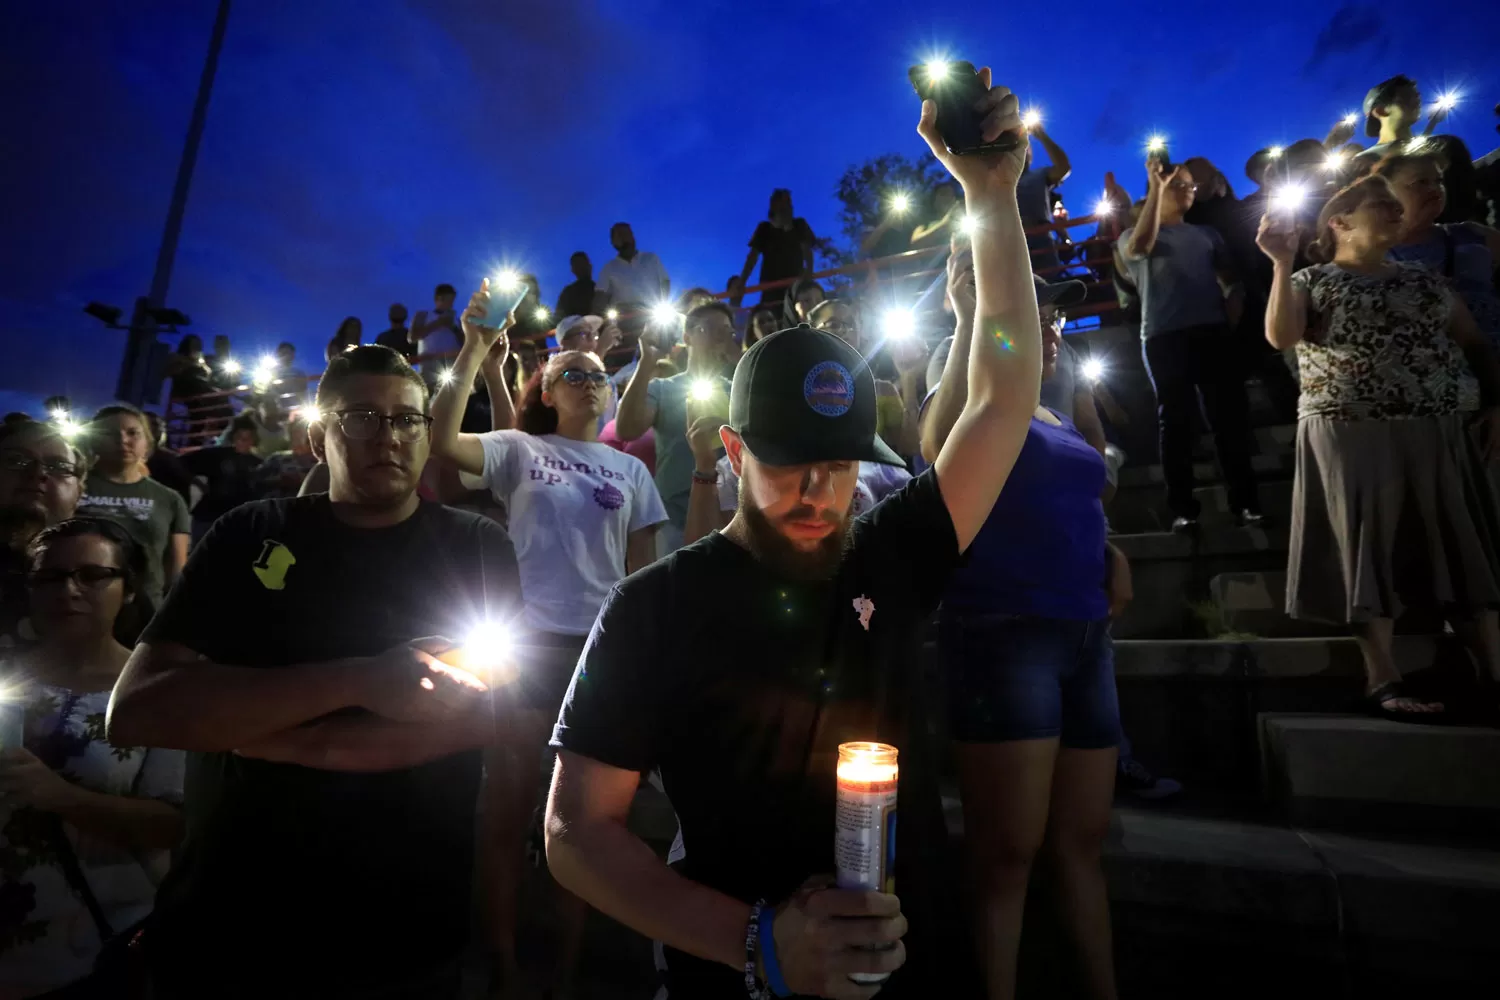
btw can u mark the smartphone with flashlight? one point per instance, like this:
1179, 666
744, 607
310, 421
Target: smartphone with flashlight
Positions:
1158, 151
955, 88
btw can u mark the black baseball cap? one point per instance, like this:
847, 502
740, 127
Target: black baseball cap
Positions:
1379, 96
802, 396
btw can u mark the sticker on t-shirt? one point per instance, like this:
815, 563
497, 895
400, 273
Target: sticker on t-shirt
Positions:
271, 568
829, 389
864, 607
608, 497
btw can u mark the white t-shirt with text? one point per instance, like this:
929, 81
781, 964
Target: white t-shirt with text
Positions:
572, 507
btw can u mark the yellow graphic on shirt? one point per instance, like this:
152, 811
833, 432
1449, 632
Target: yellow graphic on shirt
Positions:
275, 559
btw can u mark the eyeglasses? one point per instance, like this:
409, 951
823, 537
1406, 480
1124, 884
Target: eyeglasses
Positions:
838, 328
1183, 186
57, 468
1053, 318
577, 377
89, 577
362, 425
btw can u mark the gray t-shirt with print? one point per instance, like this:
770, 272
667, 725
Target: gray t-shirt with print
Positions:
152, 514
1178, 280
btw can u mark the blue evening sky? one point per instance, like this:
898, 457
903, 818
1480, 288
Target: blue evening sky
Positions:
360, 151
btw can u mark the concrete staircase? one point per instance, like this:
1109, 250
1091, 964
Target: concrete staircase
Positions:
1317, 850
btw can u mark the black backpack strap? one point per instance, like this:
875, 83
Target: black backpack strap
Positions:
67, 859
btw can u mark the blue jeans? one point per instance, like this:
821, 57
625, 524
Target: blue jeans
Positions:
1017, 677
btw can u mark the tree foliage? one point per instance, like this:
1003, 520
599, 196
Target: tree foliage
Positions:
863, 193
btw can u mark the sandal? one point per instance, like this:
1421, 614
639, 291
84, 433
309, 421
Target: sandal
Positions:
1393, 691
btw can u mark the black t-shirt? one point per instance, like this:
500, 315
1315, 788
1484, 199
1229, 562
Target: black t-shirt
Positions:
781, 249
398, 339
166, 467
742, 701
576, 299
297, 882
231, 479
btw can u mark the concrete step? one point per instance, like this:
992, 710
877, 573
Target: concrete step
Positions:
1255, 604
1171, 574
1191, 708
1369, 773
1145, 510
1247, 907
1266, 466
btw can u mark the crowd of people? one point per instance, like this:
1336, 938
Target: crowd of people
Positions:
278, 701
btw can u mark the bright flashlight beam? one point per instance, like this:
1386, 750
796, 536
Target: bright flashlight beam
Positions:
900, 203
1447, 102
1093, 369
937, 70
1274, 152
309, 414
1335, 161
703, 390
1289, 198
900, 324
59, 414
69, 428
969, 225
231, 367
507, 281
541, 314
1156, 144
1032, 118
1103, 208
1349, 120
612, 314
664, 313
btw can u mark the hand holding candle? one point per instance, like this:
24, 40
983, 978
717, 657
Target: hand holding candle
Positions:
824, 938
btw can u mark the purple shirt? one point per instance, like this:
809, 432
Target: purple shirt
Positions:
1041, 550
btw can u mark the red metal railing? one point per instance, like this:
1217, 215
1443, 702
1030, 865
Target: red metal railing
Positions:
904, 273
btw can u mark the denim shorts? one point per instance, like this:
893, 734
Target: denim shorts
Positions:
1017, 677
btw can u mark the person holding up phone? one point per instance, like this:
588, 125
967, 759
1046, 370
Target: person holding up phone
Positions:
791, 630
661, 404
1191, 300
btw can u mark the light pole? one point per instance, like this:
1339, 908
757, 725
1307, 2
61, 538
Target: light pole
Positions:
141, 364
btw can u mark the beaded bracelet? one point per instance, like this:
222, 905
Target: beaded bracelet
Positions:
711, 479
752, 940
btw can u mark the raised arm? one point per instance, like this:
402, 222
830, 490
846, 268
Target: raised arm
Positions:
448, 405
636, 412
1003, 358
1143, 238
749, 268
1061, 166
1286, 312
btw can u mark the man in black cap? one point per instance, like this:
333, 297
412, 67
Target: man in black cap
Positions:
789, 630
1392, 109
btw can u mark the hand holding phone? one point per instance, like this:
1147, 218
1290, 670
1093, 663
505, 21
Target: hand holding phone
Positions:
957, 90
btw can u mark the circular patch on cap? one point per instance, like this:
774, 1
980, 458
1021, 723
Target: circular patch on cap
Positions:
829, 389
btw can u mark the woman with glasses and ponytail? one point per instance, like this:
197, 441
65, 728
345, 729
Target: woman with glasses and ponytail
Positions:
582, 517
85, 826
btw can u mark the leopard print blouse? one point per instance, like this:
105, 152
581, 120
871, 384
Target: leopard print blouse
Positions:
1377, 347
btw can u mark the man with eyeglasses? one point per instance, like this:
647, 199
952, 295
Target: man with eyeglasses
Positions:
1190, 302
335, 763
41, 477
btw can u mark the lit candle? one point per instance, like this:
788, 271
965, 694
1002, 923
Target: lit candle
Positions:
864, 850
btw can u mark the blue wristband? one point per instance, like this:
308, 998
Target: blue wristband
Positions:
774, 978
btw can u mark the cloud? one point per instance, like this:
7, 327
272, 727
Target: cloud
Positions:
1350, 29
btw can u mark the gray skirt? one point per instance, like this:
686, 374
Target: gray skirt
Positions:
1389, 515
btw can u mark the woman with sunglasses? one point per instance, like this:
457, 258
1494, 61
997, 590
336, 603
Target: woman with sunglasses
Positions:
582, 517
85, 827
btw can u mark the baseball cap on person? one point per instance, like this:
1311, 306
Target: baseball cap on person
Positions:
569, 325
1380, 95
802, 396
